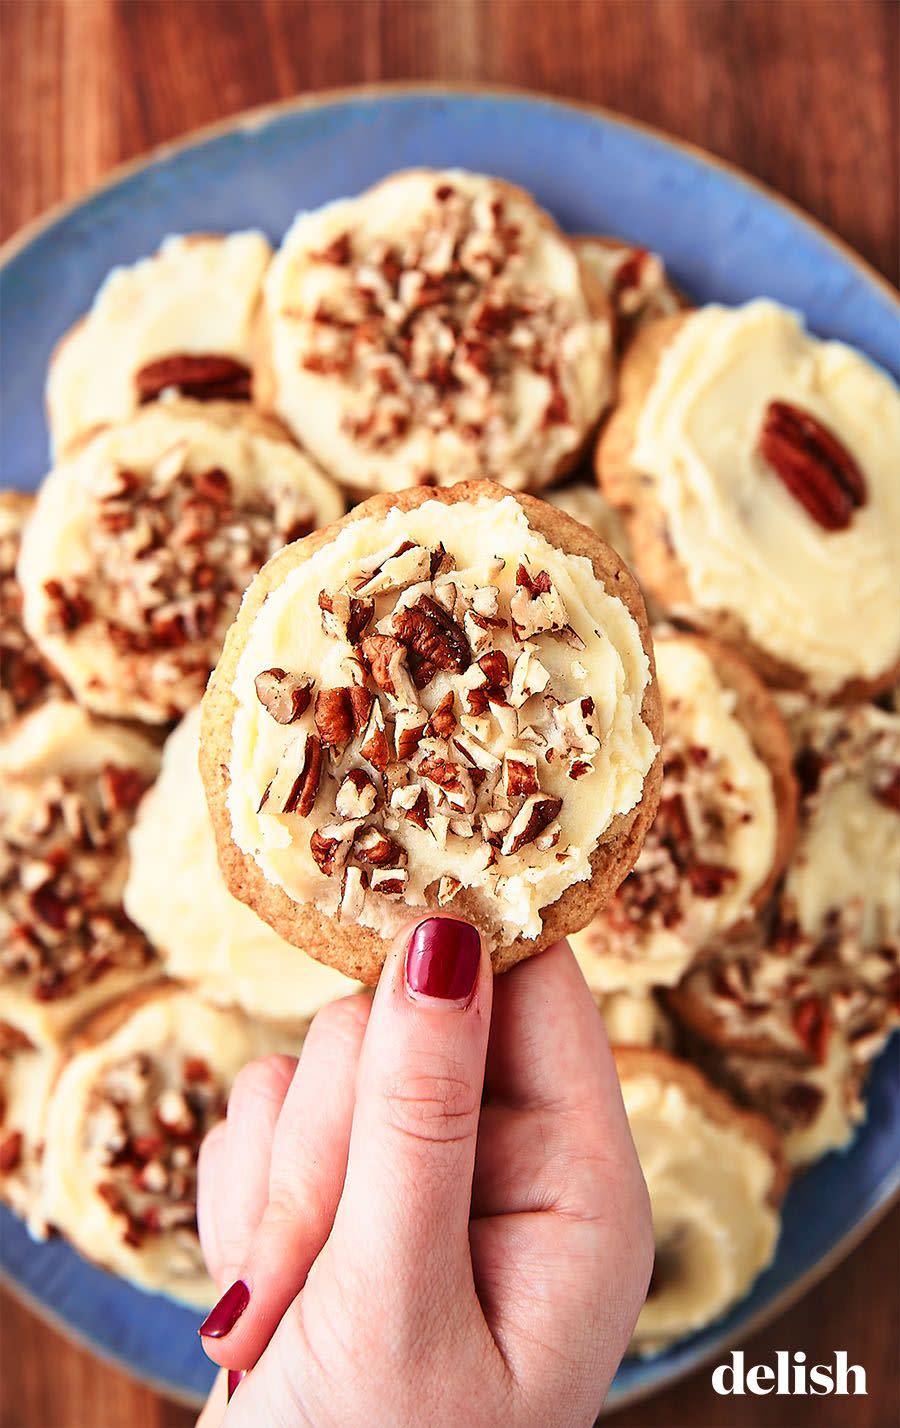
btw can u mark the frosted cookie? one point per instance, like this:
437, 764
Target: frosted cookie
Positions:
26, 679
69, 786
815, 1108
148, 1080
756, 469
27, 1073
185, 319
438, 328
177, 895
445, 701
716, 1178
142, 543
723, 831
830, 965
841, 895
635, 281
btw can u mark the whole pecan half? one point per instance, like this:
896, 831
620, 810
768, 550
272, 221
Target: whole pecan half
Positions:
814, 465
432, 639
203, 376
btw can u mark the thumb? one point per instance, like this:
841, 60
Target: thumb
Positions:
403, 1219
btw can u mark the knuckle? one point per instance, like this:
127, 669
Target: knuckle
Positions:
439, 1105
343, 1021
263, 1082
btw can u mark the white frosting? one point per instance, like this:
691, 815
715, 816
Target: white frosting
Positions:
824, 603
699, 711
165, 1025
518, 451
198, 294
714, 1227
488, 539
634, 1019
58, 545
27, 1075
177, 894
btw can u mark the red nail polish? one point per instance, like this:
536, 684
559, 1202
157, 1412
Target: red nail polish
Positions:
443, 960
234, 1378
222, 1318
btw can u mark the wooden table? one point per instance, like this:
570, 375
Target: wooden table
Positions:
801, 93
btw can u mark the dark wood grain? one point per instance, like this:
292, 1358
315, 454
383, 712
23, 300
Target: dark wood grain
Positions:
801, 93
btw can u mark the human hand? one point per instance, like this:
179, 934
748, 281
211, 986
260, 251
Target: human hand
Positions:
414, 1254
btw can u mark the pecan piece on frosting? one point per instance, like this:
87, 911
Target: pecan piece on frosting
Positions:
302, 796
357, 795
204, 376
345, 616
285, 696
334, 717
432, 638
813, 464
536, 814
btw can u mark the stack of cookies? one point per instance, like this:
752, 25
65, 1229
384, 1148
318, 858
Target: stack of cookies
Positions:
246, 736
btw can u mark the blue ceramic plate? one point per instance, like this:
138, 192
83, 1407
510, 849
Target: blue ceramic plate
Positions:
721, 236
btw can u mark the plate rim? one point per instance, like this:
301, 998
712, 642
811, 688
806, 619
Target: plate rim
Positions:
259, 117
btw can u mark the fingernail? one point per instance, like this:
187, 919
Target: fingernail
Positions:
234, 1378
222, 1318
443, 959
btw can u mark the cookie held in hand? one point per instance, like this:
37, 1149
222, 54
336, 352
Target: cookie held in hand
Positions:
445, 701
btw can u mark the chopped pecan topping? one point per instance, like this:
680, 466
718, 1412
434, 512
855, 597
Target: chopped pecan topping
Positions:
536, 813
335, 722
814, 465
10, 1151
344, 615
284, 696
432, 638
147, 1117
25, 678
357, 795
443, 720
63, 863
302, 797
374, 848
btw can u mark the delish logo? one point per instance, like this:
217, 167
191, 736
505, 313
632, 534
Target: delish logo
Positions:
790, 1376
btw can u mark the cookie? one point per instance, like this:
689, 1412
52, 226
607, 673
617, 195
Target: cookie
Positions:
69, 786
27, 1074
716, 1176
26, 679
185, 319
826, 963
447, 700
145, 1083
635, 281
588, 505
437, 328
176, 894
755, 467
141, 544
723, 831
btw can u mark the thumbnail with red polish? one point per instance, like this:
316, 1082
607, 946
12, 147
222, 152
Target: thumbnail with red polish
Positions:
443, 960
222, 1318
